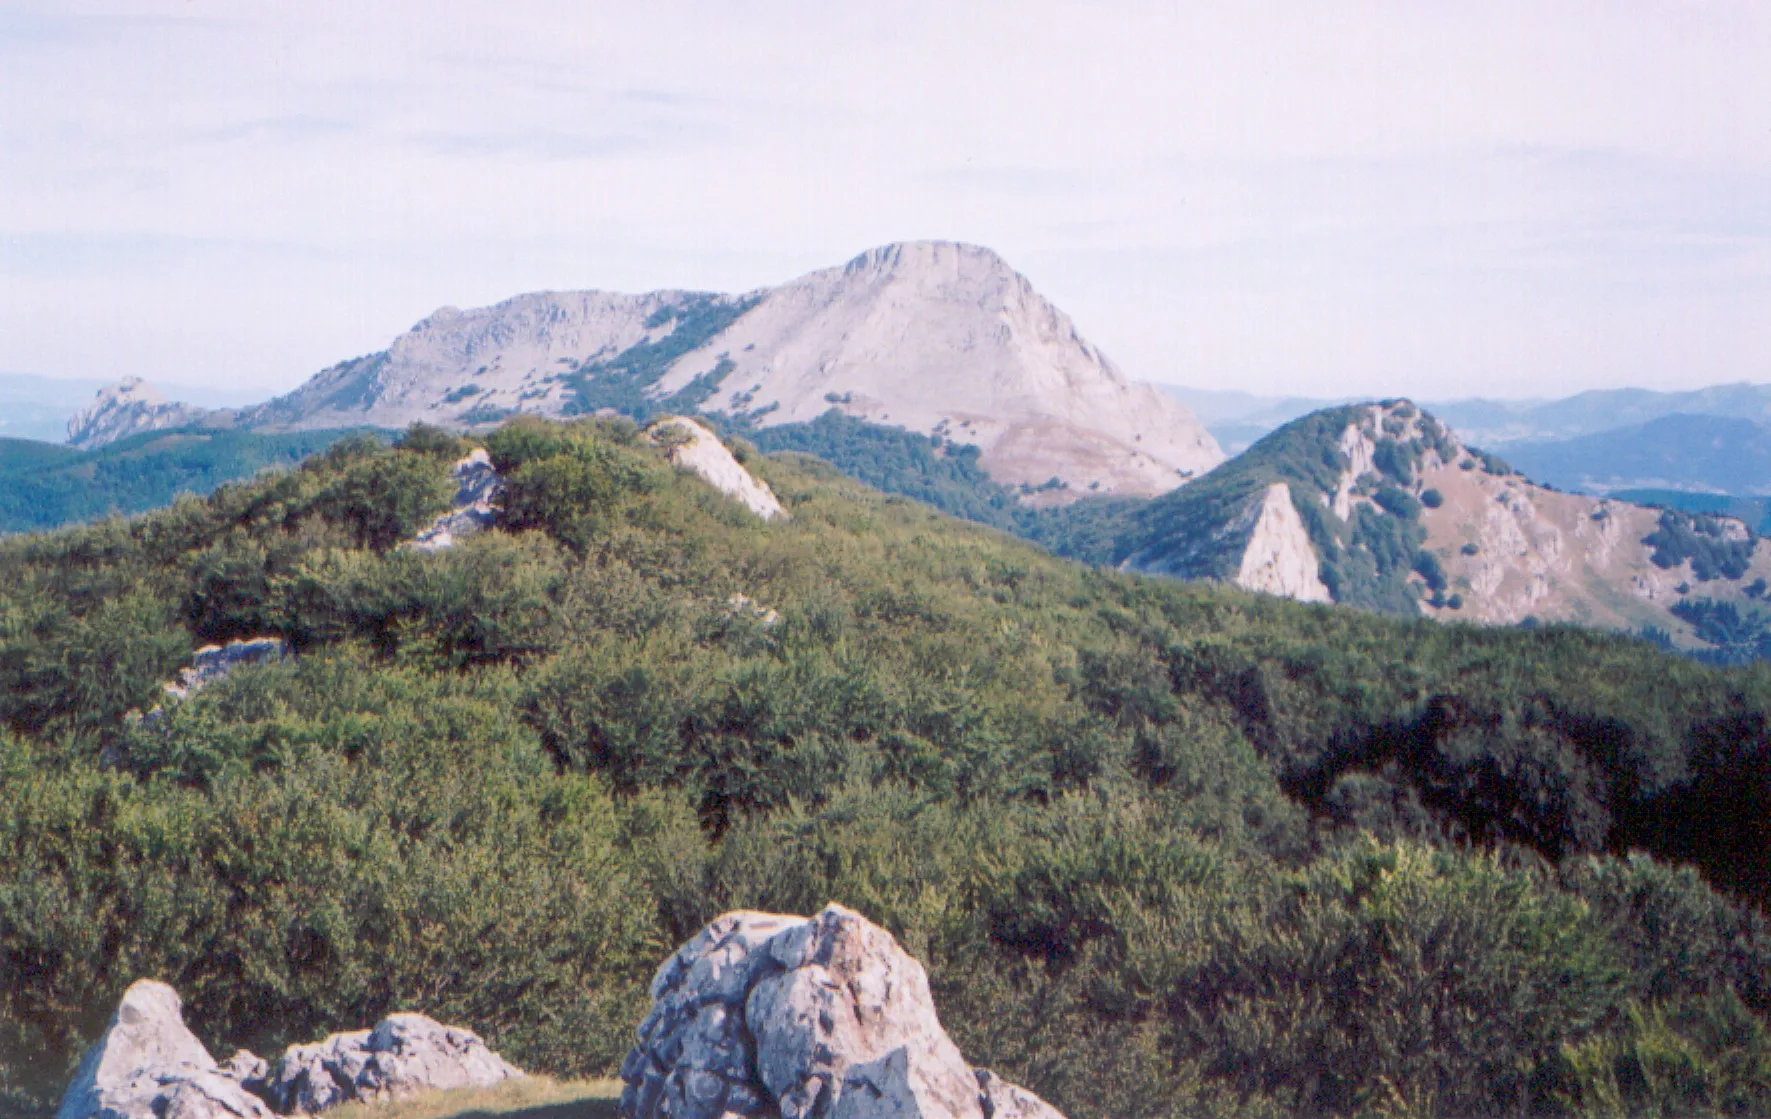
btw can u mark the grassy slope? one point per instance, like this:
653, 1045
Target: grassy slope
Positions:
1166, 848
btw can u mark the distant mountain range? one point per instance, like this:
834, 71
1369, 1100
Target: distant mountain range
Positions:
46, 485
1382, 506
34, 407
1715, 439
936, 338
1716, 454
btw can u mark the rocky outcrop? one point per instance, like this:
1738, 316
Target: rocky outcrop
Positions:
129, 407
403, 1055
1279, 557
478, 491
148, 1065
820, 1018
947, 338
694, 448
212, 662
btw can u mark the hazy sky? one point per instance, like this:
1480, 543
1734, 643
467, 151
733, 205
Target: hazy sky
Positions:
1426, 198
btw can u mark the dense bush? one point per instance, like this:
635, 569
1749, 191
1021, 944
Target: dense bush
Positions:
1167, 848
1705, 541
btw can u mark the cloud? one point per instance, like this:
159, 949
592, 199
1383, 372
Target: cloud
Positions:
1326, 198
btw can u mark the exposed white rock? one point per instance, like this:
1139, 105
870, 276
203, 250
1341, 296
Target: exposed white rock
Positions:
475, 508
934, 335
212, 662
1280, 557
694, 448
148, 1065
403, 1055
821, 1018
928, 336
1360, 450
127, 408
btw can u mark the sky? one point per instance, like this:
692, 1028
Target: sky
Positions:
1320, 198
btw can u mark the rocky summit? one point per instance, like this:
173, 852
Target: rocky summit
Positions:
129, 407
804, 1018
1381, 505
934, 337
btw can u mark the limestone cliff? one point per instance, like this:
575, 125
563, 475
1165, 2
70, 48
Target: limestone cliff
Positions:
936, 337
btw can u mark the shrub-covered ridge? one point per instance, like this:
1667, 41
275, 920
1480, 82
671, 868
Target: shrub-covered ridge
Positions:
1165, 848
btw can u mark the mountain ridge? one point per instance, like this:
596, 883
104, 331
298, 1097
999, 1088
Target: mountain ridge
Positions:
936, 337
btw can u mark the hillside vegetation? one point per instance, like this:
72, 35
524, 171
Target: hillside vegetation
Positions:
45, 485
1166, 848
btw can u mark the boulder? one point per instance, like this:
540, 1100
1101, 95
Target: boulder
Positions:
403, 1055
820, 1018
212, 662
478, 490
148, 1065
694, 448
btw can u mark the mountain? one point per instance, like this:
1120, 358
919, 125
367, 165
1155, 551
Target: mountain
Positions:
1383, 506
132, 407
1493, 423
931, 337
1166, 848
1625, 427
1705, 453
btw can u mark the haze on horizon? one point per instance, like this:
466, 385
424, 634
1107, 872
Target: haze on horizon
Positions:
1505, 199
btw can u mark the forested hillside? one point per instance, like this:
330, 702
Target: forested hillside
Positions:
44, 485
1166, 848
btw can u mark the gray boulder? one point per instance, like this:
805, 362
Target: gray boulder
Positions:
148, 1065
478, 491
403, 1055
212, 662
821, 1018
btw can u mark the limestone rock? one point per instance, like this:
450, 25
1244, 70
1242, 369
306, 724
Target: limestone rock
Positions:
930, 336
127, 408
947, 338
697, 450
478, 490
1279, 557
212, 662
404, 1054
821, 1018
148, 1065
1003, 1100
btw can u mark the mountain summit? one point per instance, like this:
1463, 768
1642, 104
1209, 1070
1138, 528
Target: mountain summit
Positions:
129, 407
1381, 505
939, 338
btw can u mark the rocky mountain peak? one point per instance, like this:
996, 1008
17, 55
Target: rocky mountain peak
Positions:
126, 408
937, 337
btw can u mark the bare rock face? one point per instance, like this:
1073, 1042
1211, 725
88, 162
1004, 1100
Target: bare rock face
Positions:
1279, 557
148, 1065
127, 408
821, 1018
212, 662
697, 450
946, 338
931, 336
478, 490
403, 1055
